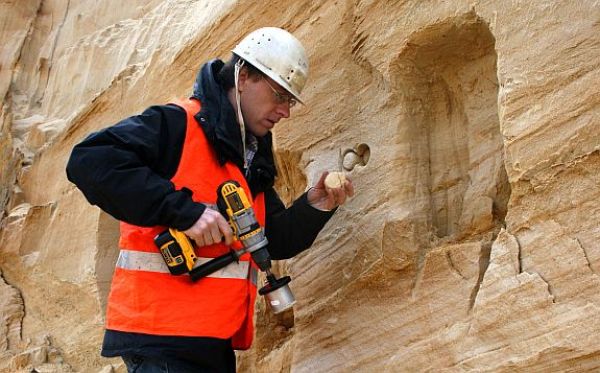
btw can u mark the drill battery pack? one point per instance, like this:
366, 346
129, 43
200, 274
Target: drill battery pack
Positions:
177, 251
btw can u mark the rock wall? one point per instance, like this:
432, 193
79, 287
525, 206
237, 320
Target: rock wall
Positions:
470, 130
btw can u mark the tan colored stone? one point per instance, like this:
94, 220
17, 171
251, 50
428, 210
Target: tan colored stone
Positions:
11, 315
335, 180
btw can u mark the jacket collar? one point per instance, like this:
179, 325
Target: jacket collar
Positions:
216, 116
219, 123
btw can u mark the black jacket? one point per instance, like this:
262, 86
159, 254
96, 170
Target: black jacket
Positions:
126, 169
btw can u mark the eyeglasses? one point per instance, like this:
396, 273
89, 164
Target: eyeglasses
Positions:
281, 98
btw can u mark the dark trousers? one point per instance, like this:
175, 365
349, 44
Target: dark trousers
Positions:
217, 364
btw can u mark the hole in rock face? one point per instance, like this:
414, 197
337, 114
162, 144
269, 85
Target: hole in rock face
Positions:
364, 152
448, 74
358, 156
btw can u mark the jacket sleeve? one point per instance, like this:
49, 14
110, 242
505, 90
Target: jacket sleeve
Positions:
293, 230
126, 169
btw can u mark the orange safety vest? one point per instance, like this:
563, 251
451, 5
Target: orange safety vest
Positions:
146, 298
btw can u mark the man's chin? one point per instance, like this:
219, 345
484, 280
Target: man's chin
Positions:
260, 132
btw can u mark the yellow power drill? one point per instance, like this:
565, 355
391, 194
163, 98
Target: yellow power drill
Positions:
178, 251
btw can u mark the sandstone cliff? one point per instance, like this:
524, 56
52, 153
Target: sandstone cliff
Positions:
472, 132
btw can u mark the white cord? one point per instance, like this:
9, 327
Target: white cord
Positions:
240, 117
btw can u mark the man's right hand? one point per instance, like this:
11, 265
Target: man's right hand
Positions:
209, 229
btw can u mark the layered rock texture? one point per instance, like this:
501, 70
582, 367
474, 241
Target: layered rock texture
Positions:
470, 129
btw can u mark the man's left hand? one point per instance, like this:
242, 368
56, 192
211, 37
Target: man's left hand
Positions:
326, 199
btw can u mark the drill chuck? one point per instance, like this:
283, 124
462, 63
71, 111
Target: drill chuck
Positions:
262, 259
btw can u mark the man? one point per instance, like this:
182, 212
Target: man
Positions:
161, 169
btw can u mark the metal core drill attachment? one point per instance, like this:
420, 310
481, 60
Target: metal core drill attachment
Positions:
277, 293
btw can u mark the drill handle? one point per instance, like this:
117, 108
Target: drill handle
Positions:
213, 265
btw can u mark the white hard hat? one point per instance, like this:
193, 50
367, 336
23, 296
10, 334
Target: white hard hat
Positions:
277, 54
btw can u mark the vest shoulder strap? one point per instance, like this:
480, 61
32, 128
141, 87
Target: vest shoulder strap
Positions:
191, 105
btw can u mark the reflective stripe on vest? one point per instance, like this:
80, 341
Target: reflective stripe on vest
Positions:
154, 262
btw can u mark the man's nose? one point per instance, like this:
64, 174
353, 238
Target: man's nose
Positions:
283, 109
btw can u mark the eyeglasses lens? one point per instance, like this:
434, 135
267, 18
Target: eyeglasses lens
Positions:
279, 97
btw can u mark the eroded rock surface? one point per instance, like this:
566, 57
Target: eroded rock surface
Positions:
472, 243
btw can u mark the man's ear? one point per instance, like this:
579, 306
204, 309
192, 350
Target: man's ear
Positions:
243, 78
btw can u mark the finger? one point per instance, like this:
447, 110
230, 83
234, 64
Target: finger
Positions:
330, 198
339, 196
207, 238
211, 231
199, 241
225, 230
321, 183
349, 187
215, 233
